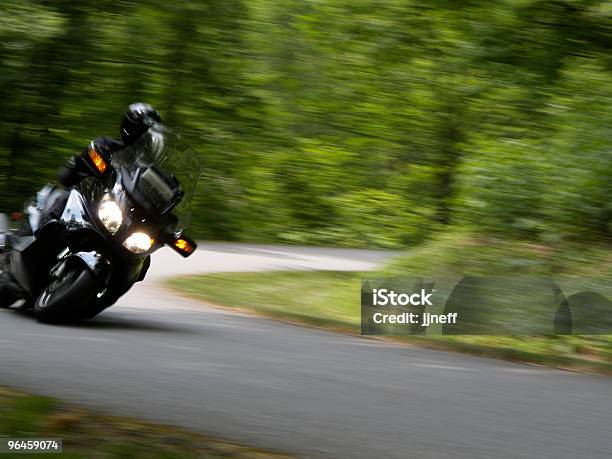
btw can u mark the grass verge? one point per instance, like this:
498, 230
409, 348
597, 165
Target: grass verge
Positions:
87, 434
331, 299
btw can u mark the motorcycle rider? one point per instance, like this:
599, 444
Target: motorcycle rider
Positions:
136, 121
56, 236
138, 118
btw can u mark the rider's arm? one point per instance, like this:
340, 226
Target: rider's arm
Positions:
81, 166
73, 171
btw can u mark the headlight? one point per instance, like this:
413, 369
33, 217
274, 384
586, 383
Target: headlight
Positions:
138, 243
110, 215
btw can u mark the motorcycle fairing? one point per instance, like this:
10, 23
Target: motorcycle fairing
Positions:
75, 214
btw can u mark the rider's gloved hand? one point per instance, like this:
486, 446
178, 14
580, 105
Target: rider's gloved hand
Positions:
93, 161
72, 172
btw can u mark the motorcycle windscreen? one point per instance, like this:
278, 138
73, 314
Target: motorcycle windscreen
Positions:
163, 149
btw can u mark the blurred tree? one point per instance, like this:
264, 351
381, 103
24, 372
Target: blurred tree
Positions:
363, 122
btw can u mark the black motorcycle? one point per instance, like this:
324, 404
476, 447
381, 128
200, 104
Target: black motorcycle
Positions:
77, 265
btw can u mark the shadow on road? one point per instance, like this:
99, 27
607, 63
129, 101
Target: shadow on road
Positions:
114, 322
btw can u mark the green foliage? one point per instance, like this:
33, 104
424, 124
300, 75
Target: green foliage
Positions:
338, 122
503, 184
87, 434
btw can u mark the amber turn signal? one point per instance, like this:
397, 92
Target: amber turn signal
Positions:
97, 160
184, 246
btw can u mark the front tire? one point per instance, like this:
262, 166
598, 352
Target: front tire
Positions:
69, 289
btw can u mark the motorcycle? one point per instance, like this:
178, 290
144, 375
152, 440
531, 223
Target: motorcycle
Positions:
80, 263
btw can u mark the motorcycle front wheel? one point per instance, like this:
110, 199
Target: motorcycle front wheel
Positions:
70, 288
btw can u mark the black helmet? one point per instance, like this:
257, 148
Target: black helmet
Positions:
138, 118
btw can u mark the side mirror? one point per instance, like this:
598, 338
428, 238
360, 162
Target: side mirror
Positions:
183, 245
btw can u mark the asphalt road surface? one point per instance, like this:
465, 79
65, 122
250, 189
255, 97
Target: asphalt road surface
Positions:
302, 390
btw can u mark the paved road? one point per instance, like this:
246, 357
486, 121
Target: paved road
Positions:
303, 390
